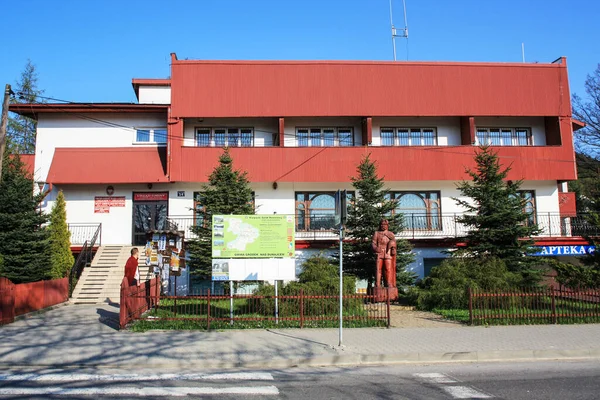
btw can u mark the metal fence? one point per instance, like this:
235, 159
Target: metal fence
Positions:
83, 232
298, 309
534, 306
422, 226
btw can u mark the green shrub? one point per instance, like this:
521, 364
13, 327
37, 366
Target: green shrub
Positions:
577, 276
447, 285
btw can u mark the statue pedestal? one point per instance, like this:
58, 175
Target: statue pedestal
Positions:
381, 294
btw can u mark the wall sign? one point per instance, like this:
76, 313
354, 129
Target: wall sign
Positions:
152, 196
102, 204
180, 193
564, 250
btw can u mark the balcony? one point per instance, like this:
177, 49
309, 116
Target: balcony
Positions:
424, 226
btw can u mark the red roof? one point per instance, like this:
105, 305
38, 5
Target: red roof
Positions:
137, 82
31, 110
366, 88
29, 161
108, 165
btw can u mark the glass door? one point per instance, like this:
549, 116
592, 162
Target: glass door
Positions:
148, 215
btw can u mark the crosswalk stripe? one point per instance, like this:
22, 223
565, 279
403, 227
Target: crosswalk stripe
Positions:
435, 377
465, 392
76, 377
140, 392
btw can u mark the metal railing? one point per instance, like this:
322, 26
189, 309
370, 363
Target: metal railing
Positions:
83, 232
297, 309
85, 258
534, 306
424, 226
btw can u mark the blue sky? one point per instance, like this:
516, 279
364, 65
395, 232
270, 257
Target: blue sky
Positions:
88, 51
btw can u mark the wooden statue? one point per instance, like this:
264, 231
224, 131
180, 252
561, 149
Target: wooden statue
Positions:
384, 246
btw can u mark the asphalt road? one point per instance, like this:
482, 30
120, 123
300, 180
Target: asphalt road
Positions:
525, 380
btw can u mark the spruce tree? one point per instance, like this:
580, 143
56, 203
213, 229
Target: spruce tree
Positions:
227, 192
23, 239
498, 223
21, 130
372, 204
61, 258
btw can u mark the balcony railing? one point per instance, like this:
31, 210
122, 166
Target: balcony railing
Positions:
423, 226
82, 232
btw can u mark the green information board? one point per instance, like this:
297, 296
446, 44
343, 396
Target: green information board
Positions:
253, 236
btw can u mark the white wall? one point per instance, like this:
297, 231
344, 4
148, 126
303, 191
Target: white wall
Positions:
117, 225
448, 128
264, 128
538, 128
321, 122
154, 95
60, 130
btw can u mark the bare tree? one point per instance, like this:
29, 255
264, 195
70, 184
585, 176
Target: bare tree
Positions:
587, 140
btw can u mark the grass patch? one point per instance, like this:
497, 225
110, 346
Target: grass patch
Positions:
454, 314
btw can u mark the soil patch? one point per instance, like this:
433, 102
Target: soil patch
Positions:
408, 317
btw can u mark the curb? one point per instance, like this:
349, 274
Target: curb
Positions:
348, 360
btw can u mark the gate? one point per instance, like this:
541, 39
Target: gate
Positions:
7, 301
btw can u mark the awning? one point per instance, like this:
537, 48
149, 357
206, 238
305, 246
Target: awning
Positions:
108, 165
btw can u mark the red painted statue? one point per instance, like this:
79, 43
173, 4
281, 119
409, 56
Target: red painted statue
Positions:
384, 246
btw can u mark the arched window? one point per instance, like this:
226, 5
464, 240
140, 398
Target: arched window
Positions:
421, 210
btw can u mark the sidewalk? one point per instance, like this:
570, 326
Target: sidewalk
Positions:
86, 336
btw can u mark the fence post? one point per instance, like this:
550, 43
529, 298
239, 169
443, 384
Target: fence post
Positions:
455, 226
389, 321
549, 225
123, 305
554, 317
208, 311
470, 306
412, 217
301, 308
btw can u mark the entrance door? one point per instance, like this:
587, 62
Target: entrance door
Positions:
150, 211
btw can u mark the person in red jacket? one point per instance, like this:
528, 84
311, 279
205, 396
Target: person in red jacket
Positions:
132, 272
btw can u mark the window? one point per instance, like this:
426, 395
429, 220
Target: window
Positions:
503, 137
224, 137
529, 206
151, 135
316, 210
408, 136
422, 210
324, 137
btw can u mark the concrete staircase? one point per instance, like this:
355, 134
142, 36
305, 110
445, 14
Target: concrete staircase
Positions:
101, 281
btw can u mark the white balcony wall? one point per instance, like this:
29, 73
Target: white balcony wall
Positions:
154, 94
536, 124
448, 128
76, 130
264, 128
291, 124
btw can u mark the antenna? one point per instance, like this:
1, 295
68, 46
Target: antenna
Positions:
401, 32
523, 51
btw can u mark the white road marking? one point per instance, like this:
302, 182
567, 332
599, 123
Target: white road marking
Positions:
465, 392
53, 377
435, 377
140, 392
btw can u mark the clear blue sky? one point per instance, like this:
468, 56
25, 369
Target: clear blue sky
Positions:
88, 51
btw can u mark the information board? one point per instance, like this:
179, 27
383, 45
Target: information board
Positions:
253, 236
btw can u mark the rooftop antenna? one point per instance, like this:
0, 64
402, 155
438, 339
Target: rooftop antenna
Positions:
523, 51
399, 32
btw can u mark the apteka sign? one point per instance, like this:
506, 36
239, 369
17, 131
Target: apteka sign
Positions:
564, 250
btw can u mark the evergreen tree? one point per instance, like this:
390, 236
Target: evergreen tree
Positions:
227, 192
496, 214
373, 204
23, 239
61, 258
21, 130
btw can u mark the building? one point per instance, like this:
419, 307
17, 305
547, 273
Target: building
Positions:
300, 128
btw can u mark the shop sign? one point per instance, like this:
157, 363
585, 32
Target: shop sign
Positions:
550, 251
151, 196
102, 204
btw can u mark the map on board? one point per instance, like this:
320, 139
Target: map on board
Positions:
253, 236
